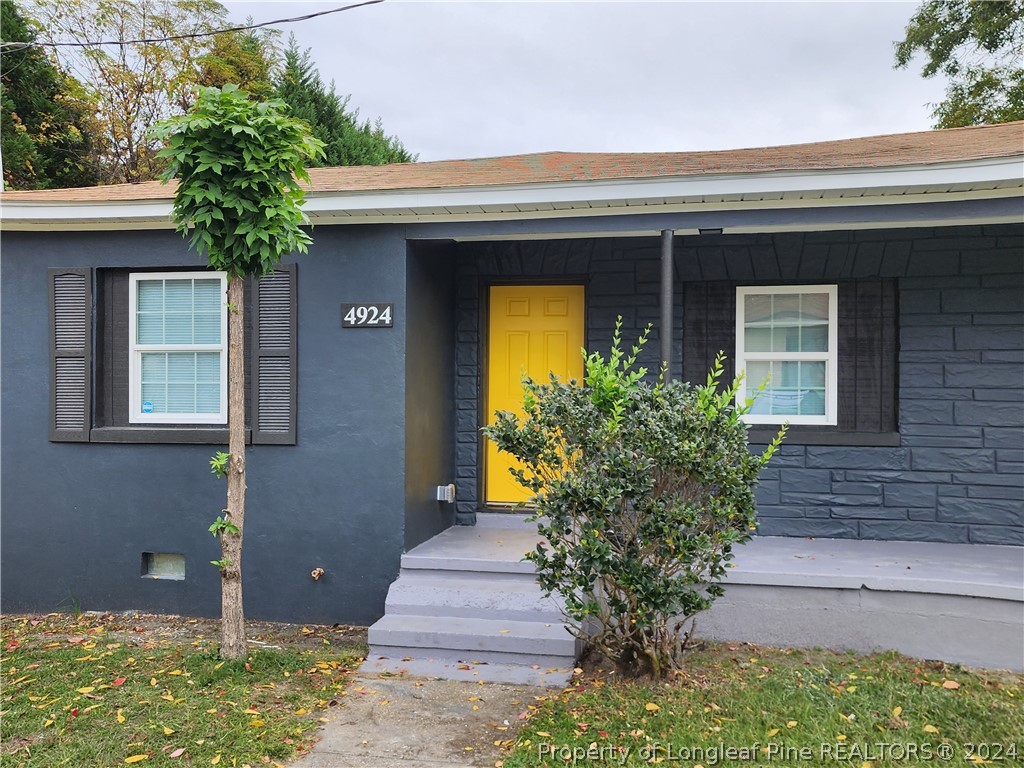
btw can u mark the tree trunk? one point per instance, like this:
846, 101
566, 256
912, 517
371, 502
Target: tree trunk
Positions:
233, 644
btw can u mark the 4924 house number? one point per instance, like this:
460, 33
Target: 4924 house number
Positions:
367, 315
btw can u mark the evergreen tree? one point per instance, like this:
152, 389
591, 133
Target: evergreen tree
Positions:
347, 141
245, 58
46, 129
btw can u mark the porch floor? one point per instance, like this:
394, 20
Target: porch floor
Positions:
957, 602
971, 570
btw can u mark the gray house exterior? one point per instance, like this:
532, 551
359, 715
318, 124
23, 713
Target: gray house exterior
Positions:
918, 238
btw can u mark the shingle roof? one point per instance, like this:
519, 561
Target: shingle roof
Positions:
901, 149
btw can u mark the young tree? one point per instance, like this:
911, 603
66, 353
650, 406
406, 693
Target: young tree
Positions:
346, 140
46, 132
134, 85
979, 46
238, 165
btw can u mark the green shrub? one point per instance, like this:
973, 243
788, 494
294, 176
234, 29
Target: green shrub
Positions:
641, 490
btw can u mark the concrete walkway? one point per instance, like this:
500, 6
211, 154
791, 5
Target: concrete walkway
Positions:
407, 722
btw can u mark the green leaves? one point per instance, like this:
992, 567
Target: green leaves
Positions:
221, 525
239, 164
641, 491
219, 463
979, 47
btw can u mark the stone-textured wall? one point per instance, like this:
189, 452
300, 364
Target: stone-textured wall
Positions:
958, 474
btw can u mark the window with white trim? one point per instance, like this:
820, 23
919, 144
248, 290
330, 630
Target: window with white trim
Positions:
787, 337
177, 363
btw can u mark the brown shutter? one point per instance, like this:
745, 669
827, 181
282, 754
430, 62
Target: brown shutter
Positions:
274, 357
867, 356
70, 354
709, 326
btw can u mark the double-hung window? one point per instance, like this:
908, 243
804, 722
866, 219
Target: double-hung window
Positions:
787, 338
177, 364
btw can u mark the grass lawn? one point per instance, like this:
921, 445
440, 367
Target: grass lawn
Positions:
742, 705
105, 690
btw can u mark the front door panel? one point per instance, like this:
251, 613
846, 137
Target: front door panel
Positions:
534, 330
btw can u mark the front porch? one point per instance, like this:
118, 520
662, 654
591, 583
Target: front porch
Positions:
467, 607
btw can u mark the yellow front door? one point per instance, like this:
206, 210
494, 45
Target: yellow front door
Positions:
534, 330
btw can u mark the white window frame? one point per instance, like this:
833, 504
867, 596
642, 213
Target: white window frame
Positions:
135, 350
830, 357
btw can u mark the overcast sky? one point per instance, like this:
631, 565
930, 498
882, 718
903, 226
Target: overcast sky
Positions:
478, 79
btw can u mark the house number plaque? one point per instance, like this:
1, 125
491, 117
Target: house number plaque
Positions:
367, 315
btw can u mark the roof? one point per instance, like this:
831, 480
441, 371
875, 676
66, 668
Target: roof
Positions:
888, 151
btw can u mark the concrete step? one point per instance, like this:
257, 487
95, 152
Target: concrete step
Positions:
440, 593
475, 550
466, 606
472, 637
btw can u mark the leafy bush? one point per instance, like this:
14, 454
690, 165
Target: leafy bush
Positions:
641, 490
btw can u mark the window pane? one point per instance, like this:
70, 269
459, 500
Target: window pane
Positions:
814, 338
150, 329
178, 328
154, 367
208, 397
208, 366
814, 306
757, 308
181, 367
151, 295
178, 296
207, 328
786, 308
154, 398
208, 296
757, 339
181, 398
812, 374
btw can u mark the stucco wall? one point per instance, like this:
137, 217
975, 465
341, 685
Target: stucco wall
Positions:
76, 517
958, 473
429, 384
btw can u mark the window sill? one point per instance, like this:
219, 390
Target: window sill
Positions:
803, 435
147, 434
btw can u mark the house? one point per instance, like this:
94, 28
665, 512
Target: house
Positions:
879, 280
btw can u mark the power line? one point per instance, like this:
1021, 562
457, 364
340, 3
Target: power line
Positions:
20, 45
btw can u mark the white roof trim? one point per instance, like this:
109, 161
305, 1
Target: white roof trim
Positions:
995, 177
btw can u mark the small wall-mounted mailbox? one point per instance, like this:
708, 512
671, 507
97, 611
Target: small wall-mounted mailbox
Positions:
446, 493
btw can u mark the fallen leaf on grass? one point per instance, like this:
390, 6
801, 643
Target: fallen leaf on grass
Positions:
136, 758
950, 685
772, 732
177, 753
168, 731
930, 729
897, 711
651, 706
118, 681
792, 724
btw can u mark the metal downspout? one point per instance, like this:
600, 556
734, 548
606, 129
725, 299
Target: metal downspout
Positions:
665, 332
